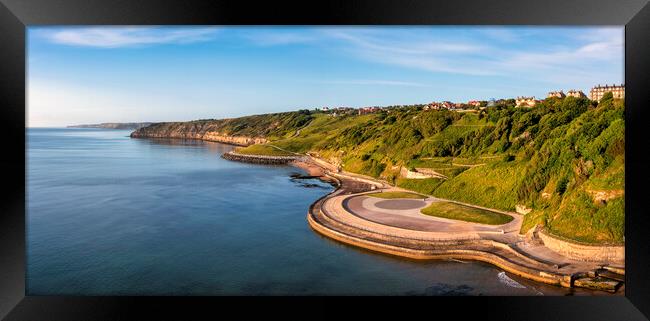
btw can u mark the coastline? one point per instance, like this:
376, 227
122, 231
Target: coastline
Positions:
484, 248
481, 247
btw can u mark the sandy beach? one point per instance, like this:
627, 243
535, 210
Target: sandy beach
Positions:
311, 168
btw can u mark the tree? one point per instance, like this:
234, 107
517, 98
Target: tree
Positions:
607, 97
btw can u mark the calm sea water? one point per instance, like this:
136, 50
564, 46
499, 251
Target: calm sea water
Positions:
111, 215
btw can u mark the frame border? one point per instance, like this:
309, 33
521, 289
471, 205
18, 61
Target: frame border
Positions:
17, 15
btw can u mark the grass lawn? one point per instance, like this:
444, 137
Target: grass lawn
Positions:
392, 195
262, 150
465, 213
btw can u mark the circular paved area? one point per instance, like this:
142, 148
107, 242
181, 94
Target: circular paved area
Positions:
405, 213
401, 204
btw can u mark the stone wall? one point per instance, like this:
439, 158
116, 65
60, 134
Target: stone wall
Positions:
522, 209
420, 174
583, 252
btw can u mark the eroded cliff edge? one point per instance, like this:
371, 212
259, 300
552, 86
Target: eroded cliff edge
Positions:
214, 131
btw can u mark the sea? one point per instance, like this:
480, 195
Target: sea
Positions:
112, 215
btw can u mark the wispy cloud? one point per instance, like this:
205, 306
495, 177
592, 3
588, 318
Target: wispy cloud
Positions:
402, 48
583, 60
557, 56
279, 38
373, 82
502, 34
114, 37
401, 42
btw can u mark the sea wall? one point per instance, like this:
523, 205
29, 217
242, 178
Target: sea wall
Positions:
260, 159
583, 252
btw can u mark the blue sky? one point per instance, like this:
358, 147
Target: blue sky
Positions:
122, 74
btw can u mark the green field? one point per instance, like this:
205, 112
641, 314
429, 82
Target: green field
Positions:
393, 195
465, 213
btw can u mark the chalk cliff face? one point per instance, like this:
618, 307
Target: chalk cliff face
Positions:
233, 140
195, 130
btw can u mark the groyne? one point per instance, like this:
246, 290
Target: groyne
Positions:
260, 159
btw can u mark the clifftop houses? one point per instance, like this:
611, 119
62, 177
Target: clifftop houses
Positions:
526, 102
368, 110
470, 105
575, 93
596, 93
570, 93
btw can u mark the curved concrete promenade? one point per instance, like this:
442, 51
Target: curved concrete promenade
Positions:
396, 227
350, 216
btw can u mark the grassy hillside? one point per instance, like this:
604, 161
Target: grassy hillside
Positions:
564, 158
262, 150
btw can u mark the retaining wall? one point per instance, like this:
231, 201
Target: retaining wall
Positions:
583, 252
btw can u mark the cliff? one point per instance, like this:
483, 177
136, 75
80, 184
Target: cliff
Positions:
243, 131
212, 131
113, 125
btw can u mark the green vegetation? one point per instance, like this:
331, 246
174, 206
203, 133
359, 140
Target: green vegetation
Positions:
424, 186
392, 195
465, 213
489, 185
553, 158
262, 150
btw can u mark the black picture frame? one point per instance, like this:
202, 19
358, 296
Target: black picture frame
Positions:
16, 15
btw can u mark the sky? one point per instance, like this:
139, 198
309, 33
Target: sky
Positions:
82, 75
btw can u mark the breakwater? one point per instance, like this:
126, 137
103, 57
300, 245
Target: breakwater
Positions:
260, 159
